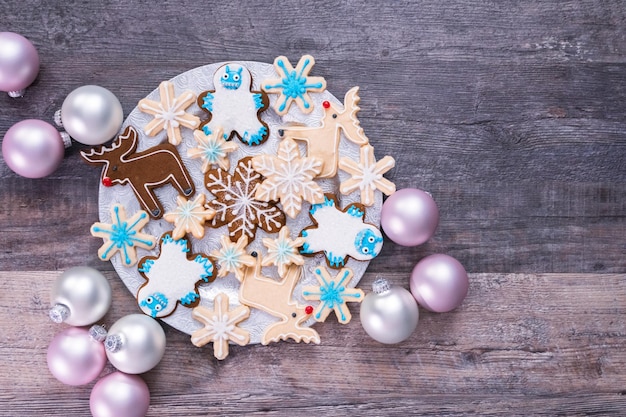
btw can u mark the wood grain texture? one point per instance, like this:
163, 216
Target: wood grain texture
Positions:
512, 114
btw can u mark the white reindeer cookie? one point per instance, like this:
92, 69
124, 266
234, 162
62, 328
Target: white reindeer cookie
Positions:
340, 233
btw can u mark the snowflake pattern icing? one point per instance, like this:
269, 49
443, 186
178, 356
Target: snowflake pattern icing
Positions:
220, 326
189, 217
333, 294
123, 235
289, 178
236, 204
294, 84
169, 114
283, 251
212, 149
367, 175
232, 257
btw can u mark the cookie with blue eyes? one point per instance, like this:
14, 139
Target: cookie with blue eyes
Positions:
340, 234
234, 107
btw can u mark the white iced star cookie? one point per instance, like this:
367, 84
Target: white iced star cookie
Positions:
212, 149
189, 217
283, 251
367, 175
232, 257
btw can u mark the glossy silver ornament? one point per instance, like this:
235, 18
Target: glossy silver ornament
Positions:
135, 344
389, 314
80, 296
91, 114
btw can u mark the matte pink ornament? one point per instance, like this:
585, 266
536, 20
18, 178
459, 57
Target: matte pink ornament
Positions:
409, 217
74, 357
119, 395
33, 148
439, 283
19, 63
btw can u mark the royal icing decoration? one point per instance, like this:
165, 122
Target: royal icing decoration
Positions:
172, 278
323, 141
237, 204
340, 234
234, 107
123, 235
169, 113
283, 251
212, 149
367, 175
189, 217
143, 171
275, 297
289, 178
294, 85
333, 294
220, 326
232, 257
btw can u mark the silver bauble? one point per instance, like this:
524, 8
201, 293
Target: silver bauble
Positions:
92, 115
135, 344
80, 296
389, 314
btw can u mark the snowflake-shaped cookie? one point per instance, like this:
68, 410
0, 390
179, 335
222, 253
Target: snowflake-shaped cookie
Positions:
367, 175
189, 217
333, 294
289, 178
220, 326
294, 84
232, 257
212, 149
169, 114
237, 205
172, 278
283, 251
123, 235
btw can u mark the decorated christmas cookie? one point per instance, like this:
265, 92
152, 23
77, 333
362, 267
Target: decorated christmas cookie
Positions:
245, 191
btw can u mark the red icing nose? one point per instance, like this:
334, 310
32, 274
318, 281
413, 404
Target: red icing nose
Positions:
308, 310
107, 182
326, 104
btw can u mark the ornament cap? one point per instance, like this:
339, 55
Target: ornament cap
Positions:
67, 140
57, 118
113, 343
98, 333
17, 93
59, 313
380, 285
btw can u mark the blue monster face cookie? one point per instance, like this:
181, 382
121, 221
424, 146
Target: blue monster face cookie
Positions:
231, 78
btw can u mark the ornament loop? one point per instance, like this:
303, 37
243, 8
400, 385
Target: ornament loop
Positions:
98, 333
113, 343
380, 285
59, 313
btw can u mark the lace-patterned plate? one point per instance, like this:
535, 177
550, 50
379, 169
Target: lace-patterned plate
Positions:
198, 80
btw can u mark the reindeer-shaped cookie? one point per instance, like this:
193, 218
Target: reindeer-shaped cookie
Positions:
275, 298
143, 171
323, 141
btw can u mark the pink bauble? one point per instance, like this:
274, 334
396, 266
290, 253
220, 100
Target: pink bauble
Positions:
33, 148
439, 283
119, 395
74, 358
19, 63
409, 217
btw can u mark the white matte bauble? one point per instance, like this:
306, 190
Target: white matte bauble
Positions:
92, 115
135, 344
80, 296
389, 314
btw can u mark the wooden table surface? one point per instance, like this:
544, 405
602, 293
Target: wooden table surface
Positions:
512, 114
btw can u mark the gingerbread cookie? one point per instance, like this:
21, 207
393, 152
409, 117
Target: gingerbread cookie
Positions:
236, 203
289, 177
234, 107
189, 217
220, 326
333, 294
294, 85
323, 141
172, 277
169, 113
367, 175
142, 171
340, 233
123, 235
276, 298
